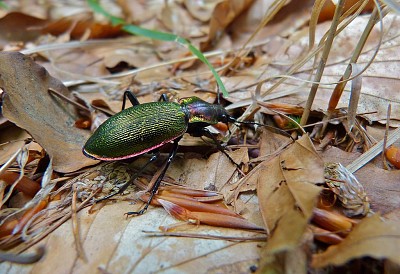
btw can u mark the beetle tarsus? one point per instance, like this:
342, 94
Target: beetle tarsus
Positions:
136, 213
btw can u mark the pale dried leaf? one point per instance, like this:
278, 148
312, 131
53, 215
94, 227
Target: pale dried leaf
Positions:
215, 172
28, 104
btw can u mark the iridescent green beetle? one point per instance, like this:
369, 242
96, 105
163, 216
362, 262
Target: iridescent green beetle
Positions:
145, 127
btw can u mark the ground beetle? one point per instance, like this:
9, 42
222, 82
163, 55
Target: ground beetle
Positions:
146, 127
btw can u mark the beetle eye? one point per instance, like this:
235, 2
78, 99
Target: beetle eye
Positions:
226, 118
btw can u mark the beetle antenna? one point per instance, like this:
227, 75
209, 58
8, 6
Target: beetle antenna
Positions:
284, 132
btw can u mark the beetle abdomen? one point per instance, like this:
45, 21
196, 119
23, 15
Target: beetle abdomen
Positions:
136, 130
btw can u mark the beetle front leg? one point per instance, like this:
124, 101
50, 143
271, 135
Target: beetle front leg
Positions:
157, 183
205, 132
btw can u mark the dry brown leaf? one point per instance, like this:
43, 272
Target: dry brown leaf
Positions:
28, 104
176, 18
16, 26
375, 93
67, 65
328, 9
200, 10
287, 194
381, 187
224, 13
213, 173
287, 183
82, 25
136, 51
12, 138
286, 22
142, 11
372, 237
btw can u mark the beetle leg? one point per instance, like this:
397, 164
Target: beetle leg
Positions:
126, 184
163, 98
132, 98
205, 132
157, 183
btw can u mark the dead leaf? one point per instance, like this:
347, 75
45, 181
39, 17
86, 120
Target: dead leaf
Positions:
372, 237
287, 182
15, 28
82, 25
175, 17
12, 138
200, 10
224, 13
28, 104
213, 173
328, 9
287, 194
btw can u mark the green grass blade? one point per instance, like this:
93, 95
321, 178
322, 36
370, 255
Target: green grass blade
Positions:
158, 35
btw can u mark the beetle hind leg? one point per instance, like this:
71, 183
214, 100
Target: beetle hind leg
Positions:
157, 183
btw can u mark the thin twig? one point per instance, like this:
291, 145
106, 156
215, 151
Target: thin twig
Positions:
62, 96
75, 226
208, 236
23, 258
384, 161
323, 61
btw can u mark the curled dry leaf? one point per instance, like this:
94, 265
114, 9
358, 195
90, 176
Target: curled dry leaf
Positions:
372, 237
25, 185
28, 104
208, 218
194, 205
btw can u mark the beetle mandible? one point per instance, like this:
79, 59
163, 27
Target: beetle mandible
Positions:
145, 127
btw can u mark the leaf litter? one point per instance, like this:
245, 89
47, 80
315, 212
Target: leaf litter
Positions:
285, 189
